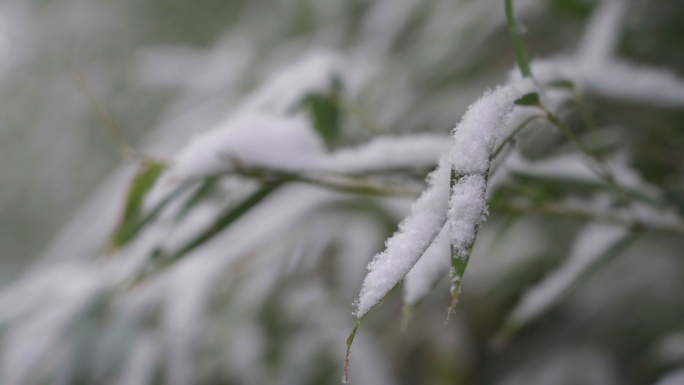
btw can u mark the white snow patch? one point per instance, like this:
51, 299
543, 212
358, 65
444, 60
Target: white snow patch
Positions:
591, 243
416, 233
429, 269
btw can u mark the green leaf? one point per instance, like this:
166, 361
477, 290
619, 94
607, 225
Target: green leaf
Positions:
562, 84
350, 340
458, 266
324, 112
518, 45
204, 190
531, 99
227, 218
139, 187
578, 9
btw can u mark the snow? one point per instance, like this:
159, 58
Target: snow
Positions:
265, 131
284, 89
52, 311
467, 209
416, 233
474, 140
290, 144
429, 269
603, 34
595, 68
591, 243
673, 378
254, 140
387, 152
636, 83
143, 361
470, 157
670, 349
479, 130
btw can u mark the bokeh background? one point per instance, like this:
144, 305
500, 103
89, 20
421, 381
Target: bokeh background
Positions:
168, 70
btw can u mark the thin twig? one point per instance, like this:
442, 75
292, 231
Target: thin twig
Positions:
126, 150
348, 183
351, 109
603, 171
513, 133
560, 211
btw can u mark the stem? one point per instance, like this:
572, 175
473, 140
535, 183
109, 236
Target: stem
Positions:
518, 45
347, 183
126, 150
603, 171
351, 109
226, 219
588, 119
220, 223
560, 211
511, 136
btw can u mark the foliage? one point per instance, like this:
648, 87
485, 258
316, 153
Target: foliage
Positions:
236, 261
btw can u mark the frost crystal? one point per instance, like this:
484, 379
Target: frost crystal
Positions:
469, 157
467, 207
479, 130
474, 140
416, 233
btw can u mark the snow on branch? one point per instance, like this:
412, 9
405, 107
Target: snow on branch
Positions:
416, 233
469, 158
474, 140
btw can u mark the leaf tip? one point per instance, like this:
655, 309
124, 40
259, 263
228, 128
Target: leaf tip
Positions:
350, 340
531, 99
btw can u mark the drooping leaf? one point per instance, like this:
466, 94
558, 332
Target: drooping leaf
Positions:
139, 187
562, 84
531, 99
350, 340
228, 217
518, 45
578, 9
202, 191
324, 112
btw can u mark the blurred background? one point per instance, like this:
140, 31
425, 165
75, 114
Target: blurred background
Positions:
166, 71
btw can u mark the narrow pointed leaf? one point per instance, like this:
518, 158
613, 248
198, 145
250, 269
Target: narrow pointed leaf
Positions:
139, 187
518, 45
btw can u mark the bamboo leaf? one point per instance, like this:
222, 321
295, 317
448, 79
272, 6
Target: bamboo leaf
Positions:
139, 187
350, 340
531, 99
518, 45
562, 84
202, 191
228, 217
579, 9
459, 259
324, 112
